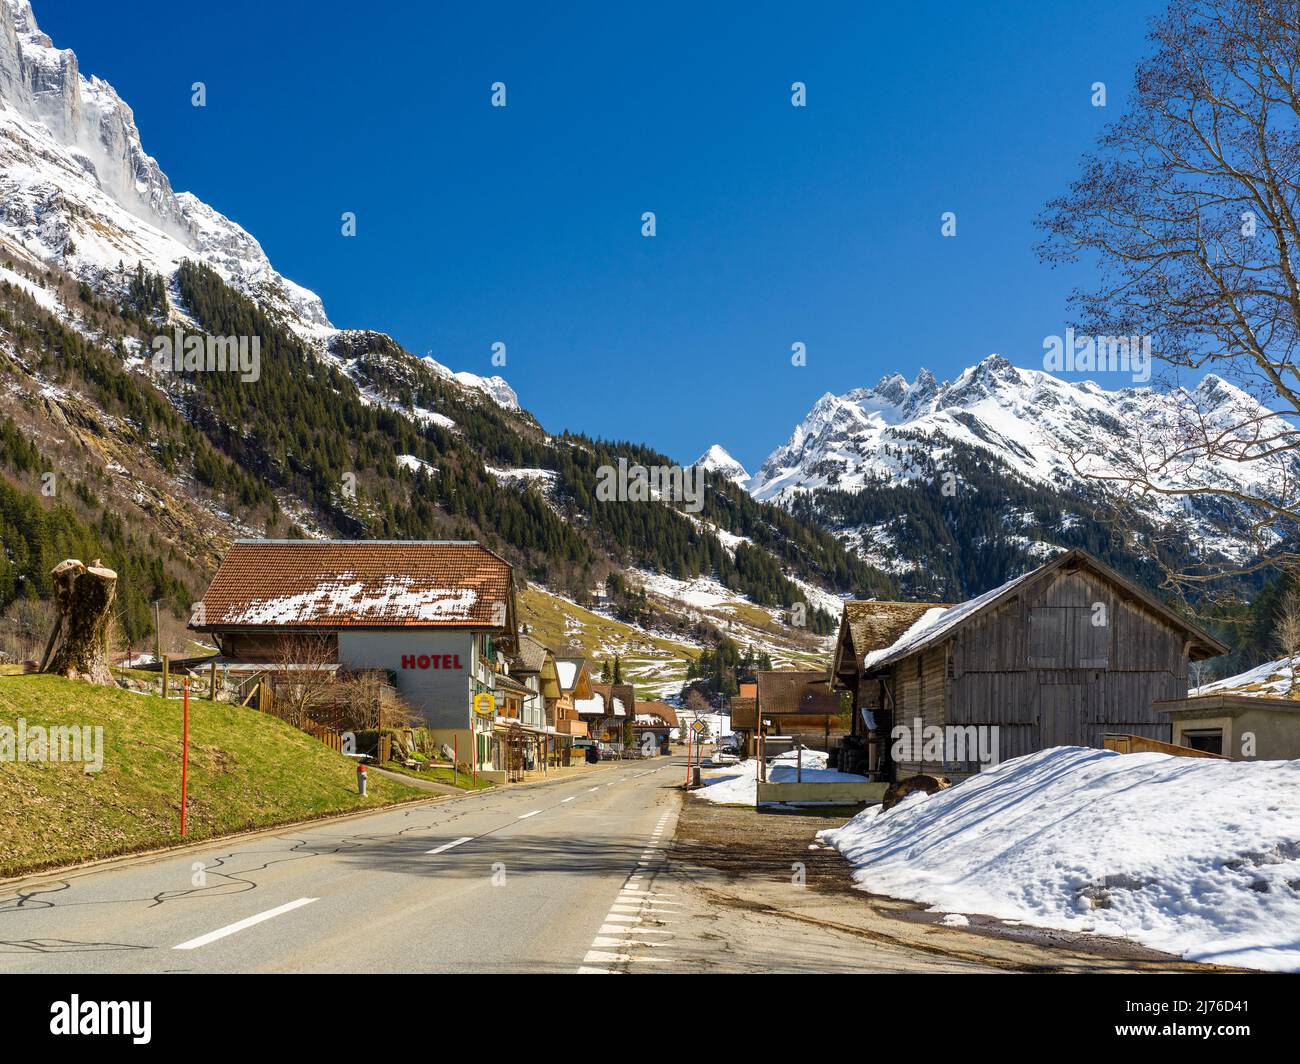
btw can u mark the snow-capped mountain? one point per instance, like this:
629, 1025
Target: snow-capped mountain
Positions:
1035, 427
78, 191
336, 432
718, 460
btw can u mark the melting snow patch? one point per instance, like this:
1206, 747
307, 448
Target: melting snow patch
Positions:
1197, 857
346, 595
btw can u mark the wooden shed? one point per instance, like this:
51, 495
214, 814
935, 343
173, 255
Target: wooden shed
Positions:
1057, 657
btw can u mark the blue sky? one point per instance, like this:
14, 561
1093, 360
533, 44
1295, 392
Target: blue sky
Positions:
522, 224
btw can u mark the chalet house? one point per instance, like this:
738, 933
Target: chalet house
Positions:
657, 718
534, 665
608, 711
801, 704
434, 615
575, 686
1060, 656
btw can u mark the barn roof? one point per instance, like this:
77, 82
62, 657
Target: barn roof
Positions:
869, 625
359, 583
806, 693
937, 623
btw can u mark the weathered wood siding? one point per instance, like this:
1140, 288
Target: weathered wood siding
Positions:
1061, 664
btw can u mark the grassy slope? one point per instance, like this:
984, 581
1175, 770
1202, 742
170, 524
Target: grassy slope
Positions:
246, 770
657, 666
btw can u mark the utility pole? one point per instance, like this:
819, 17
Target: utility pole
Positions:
157, 633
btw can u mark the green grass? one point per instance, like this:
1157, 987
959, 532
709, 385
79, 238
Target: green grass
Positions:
438, 775
246, 770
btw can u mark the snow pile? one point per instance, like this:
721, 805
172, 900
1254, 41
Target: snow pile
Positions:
738, 785
1197, 857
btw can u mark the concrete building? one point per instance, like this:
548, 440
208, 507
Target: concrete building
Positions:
438, 617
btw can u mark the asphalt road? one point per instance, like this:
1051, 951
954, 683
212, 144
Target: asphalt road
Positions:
551, 877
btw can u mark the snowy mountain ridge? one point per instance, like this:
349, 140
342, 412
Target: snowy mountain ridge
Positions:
1041, 429
78, 191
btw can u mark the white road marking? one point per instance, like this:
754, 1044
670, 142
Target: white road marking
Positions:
590, 789
448, 845
527, 815
230, 929
569, 799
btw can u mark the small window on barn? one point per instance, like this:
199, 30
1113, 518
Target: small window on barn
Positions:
1209, 740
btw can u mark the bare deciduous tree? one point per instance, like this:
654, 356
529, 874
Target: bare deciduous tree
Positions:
1287, 633
303, 676
1190, 207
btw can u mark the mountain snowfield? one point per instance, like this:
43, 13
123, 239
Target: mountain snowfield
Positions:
1037, 427
717, 460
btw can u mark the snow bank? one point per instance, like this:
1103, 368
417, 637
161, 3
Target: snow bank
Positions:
1192, 856
738, 785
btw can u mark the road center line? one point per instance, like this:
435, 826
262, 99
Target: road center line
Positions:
230, 929
527, 815
448, 845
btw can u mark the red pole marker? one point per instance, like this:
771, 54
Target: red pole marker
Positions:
185, 753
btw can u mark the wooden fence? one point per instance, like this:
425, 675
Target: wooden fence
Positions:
264, 700
1140, 744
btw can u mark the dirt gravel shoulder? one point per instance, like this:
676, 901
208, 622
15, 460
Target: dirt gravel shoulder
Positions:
770, 863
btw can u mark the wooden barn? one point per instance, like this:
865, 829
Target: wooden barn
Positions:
1060, 656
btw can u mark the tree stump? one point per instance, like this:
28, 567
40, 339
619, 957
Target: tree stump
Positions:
900, 790
83, 601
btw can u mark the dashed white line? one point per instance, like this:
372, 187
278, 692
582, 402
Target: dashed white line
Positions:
448, 845
527, 815
240, 925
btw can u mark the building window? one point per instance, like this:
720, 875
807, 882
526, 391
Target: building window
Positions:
1209, 740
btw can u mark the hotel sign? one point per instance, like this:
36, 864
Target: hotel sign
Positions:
431, 661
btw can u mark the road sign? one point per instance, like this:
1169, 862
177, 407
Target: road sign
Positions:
697, 727
485, 704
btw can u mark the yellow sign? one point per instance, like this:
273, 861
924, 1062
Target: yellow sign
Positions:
485, 705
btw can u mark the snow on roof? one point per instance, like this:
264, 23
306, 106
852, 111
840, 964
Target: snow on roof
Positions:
346, 595
619, 709
591, 706
337, 583
935, 622
1090, 840
1272, 679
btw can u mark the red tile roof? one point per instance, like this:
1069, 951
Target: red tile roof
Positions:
359, 583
